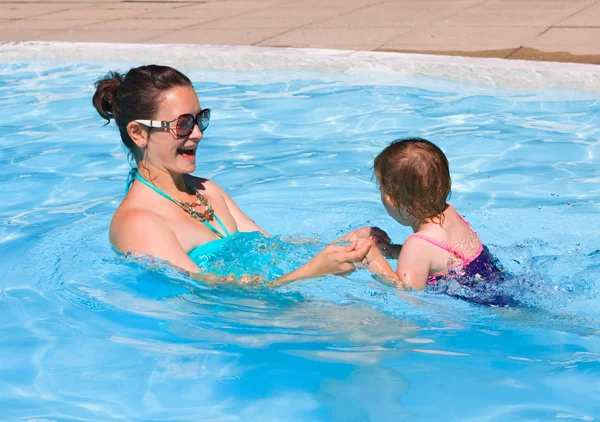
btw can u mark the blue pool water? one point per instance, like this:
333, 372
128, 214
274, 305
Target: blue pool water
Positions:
87, 335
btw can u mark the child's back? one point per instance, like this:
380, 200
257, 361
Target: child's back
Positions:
451, 247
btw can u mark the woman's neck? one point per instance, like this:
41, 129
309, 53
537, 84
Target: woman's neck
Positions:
163, 179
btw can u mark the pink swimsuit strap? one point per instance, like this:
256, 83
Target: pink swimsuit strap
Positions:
432, 278
465, 260
441, 245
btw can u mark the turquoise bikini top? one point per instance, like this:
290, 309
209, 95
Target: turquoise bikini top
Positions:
208, 246
242, 253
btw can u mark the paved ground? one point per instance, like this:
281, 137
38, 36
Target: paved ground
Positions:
557, 30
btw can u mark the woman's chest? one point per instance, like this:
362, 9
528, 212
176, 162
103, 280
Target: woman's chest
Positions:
197, 223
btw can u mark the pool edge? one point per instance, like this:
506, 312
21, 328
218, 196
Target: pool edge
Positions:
488, 71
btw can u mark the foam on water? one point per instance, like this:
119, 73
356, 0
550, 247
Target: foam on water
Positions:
89, 335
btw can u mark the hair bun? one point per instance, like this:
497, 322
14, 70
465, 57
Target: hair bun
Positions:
106, 91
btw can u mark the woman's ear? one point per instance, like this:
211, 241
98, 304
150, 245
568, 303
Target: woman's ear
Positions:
138, 133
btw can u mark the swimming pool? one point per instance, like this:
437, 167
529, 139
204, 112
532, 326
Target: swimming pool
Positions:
86, 335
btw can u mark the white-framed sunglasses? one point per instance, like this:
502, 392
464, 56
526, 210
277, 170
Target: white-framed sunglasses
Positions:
184, 124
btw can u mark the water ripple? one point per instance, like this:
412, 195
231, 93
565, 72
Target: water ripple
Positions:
89, 335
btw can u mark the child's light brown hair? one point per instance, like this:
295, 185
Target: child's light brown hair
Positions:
415, 174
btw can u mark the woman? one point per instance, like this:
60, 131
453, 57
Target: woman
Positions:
161, 123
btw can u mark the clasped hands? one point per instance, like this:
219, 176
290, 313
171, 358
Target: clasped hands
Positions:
366, 244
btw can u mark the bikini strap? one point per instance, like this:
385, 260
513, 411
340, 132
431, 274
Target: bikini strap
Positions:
439, 245
214, 229
137, 176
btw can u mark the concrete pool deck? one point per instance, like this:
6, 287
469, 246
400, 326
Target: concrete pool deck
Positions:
547, 30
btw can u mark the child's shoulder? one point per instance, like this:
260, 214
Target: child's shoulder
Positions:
451, 210
455, 223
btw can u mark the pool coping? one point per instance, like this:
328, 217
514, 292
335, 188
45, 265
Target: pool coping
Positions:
487, 71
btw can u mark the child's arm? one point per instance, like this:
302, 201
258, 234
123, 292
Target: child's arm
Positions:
413, 266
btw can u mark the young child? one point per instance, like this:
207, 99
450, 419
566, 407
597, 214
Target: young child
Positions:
414, 180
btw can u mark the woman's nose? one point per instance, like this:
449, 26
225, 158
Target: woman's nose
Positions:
196, 133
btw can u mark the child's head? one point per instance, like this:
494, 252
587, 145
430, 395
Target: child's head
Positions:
413, 173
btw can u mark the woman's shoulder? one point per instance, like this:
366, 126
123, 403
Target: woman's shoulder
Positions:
129, 213
130, 221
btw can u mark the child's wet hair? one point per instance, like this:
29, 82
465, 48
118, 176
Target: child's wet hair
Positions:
415, 174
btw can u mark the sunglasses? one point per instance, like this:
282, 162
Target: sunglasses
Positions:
184, 124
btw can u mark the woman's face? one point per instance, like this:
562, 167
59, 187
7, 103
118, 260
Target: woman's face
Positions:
164, 149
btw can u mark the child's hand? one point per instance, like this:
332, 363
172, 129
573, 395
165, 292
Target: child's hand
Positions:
373, 254
386, 248
368, 232
379, 266
251, 279
381, 239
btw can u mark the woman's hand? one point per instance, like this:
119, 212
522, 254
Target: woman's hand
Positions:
340, 260
366, 232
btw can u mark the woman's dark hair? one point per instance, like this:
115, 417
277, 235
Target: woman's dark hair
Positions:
135, 95
414, 173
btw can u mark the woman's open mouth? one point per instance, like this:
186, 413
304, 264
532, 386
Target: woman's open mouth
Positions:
187, 153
